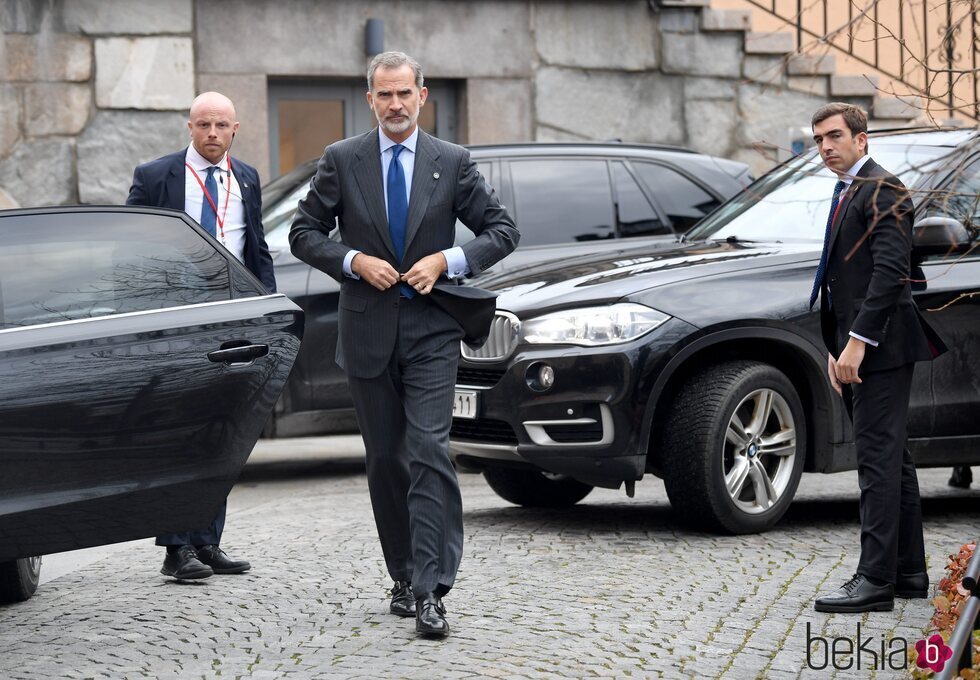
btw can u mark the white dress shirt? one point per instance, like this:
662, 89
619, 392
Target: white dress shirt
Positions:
232, 234
455, 259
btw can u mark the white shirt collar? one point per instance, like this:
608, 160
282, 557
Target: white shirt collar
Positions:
199, 162
409, 143
855, 169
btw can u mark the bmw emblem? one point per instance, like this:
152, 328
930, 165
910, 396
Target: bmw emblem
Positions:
753, 449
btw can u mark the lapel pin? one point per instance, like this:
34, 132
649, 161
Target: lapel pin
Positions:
245, 185
435, 175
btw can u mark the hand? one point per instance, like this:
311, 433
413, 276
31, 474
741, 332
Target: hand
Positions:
374, 270
849, 361
832, 374
424, 273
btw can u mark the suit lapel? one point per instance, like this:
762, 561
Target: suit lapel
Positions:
175, 184
367, 173
424, 180
852, 189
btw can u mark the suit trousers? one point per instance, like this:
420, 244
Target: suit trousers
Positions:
891, 511
210, 535
405, 415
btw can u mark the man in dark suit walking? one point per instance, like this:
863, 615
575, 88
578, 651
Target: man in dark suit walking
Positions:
875, 335
396, 193
222, 193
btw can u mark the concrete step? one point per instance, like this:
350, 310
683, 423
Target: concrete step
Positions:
726, 20
904, 108
854, 86
811, 65
769, 42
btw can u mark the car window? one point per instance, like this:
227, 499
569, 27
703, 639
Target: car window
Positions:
961, 200
635, 215
60, 267
792, 202
557, 201
684, 201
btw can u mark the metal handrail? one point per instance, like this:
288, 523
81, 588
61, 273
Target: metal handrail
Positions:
943, 51
961, 641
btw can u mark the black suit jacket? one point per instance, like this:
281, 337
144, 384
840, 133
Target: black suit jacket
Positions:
348, 189
868, 269
160, 184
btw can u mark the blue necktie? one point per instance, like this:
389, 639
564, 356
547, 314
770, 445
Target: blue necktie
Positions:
824, 256
209, 215
398, 209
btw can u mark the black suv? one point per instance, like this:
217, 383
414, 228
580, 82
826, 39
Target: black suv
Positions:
702, 364
585, 195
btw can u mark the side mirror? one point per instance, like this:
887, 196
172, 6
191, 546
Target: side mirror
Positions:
938, 235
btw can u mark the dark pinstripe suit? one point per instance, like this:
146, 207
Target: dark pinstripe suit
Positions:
400, 355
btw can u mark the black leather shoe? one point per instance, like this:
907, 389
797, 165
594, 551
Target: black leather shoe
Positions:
858, 595
912, 585
183, 564
962, 477
430, 616
218, 559
402, 599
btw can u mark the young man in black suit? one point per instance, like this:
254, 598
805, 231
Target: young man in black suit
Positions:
874, 334
222, 194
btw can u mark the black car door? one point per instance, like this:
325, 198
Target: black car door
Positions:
138, 363
950, 300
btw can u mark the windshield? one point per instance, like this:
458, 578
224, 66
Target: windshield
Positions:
791, 203
279, 217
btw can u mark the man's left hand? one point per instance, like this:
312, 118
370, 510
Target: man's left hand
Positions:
424, 273
849, 361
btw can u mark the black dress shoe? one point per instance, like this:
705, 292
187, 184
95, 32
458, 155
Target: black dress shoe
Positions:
183, 564
218, 559
858, 595
402, 599
914, 585
962, 477
430, 616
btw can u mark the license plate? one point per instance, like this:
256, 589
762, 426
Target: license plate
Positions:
465, 404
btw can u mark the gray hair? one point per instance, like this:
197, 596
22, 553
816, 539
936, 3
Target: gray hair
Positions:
388, 60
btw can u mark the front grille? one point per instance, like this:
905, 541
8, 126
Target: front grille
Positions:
505, 331
480, 377
483, 430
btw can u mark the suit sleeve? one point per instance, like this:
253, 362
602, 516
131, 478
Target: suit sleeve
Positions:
266, 273
477, 207
316, 217
888, 216
137, 192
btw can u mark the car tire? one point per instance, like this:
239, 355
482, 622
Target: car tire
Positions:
534, 488
18, 579
734, 447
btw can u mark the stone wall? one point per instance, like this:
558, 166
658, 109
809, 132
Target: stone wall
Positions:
91, 88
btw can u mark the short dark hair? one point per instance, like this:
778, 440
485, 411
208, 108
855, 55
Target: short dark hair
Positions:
854, 116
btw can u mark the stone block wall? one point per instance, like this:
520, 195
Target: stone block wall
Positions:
91, 88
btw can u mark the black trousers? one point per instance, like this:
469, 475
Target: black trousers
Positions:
891, 512
405, 415
210, 535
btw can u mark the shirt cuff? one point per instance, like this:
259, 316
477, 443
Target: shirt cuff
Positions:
456, 261
348, 258
863, 339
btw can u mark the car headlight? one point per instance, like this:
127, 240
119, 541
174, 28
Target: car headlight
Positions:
593, 326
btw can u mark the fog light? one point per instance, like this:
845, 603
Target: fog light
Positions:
540, 377
546, 376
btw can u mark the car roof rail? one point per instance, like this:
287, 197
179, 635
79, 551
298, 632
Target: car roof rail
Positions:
635, 145
923, 128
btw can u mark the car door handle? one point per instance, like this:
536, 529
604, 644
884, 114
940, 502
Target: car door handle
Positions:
238, 356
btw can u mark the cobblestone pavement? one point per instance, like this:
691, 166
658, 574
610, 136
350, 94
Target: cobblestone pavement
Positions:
613, 587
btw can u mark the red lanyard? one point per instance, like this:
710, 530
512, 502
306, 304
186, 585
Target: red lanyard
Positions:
224, 214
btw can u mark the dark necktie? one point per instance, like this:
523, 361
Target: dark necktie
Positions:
398, 209
209, 210
824, 256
